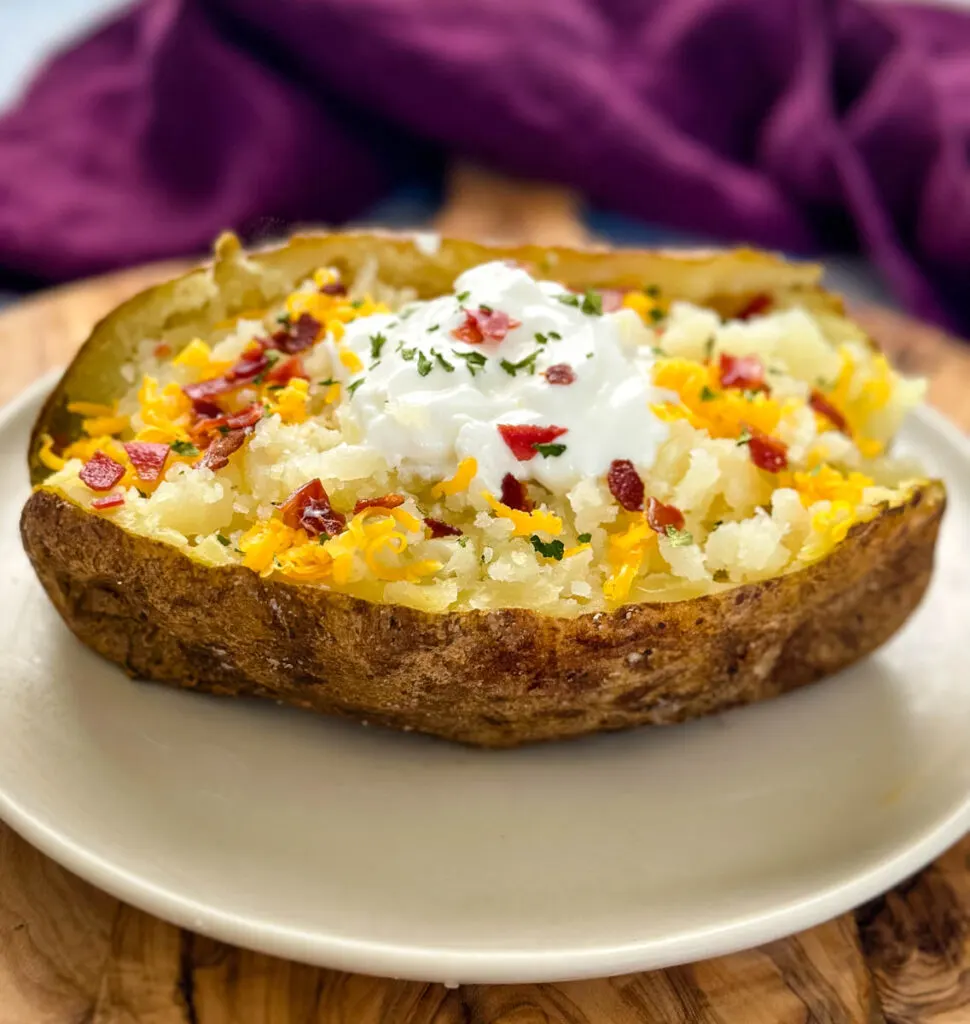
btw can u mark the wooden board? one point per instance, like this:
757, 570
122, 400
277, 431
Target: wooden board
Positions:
69, 953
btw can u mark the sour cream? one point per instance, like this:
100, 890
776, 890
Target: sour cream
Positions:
425, 400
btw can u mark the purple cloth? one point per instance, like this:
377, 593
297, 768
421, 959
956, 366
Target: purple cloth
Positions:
797, 124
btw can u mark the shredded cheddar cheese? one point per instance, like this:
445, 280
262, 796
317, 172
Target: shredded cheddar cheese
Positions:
464, 475
525, 523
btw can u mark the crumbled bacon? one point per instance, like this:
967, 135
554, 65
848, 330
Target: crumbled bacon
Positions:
822, 405
754, 307
333, 288
747, 372
625, 484
303, 332
484, 324
440, 529
216, 456
384, 501
522, 438
101, 472
285, 370
514, 494
109, 501
205, 408
252, 363
209, 427
768, 453
162, 351
660, 516
309, 508
148, 458
560, 373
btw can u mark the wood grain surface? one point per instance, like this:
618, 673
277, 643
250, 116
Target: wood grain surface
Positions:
70, 954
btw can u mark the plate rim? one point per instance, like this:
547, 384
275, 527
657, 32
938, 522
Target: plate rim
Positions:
462, 966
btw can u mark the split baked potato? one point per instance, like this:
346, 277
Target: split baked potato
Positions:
498, 495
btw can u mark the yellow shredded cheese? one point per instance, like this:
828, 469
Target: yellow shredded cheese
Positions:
536, 521
464, 475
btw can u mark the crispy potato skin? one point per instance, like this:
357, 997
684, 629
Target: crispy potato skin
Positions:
494, 679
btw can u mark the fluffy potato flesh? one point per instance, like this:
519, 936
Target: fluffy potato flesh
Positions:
494, 676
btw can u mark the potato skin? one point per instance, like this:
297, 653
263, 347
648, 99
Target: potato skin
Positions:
493, 679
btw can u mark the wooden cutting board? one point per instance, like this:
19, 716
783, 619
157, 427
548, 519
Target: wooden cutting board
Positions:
69, 953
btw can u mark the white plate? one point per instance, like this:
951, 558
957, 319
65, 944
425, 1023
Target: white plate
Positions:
396, 855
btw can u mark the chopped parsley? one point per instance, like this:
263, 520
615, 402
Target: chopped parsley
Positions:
275, 387
284, 320
547, 450
273, 357
554, 549
584, 538
568, 299
592, 303
555, 335
425, 366
540, 338
487, 310
407, 353
351, 388
475, 361
357, 303
184, 448
407, 311
462, 541
656, 315
433, 328
225, 430
442, 362
224, 541
653, 290
744, 437
707, 395
326, 383
141, 493
377, 342
528, 364
462, 296
679, 538
709, 347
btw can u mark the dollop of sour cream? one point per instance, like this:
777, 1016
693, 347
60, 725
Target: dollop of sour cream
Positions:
426, 400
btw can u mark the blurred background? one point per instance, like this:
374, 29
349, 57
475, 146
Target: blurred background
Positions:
722, 88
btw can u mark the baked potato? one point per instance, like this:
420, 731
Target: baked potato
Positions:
499, 495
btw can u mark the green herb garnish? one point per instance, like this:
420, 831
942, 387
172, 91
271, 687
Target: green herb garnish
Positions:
707, 395
475, 361
584, 538
547, 450
709, 347
351, 388
528, 364
224, 541
184, 448
433, 328
653, 290
555, 335
284, 320
568, 299
679, 538
407, 353
377, 342
462, 296
326, 383
356, 303
275, 387
656, 315
442, 362
554, 549
744, 437
592, 303
540, 338
487, 310
425, 366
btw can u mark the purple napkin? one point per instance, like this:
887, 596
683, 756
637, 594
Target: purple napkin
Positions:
795, 124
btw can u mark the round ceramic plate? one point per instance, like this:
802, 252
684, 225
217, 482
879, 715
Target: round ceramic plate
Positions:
397, 855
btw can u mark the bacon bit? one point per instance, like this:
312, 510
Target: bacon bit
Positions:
560, 373
161, 351
523, 438
202, 407
285, 370
440, 529
822, 405
333, 288
746, 372
101, 472
249, 367
484, 325
216, 456
768, 453
309, 508
384, 501
625, 484
241, 420
148, 458
755, 306
303, 332
109, 501
514, 494
611, 299
660, 516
